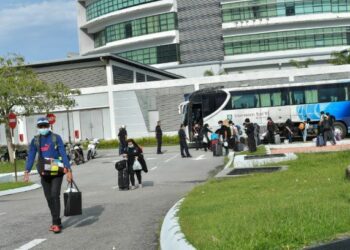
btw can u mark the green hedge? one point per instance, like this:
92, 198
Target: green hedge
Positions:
143, 142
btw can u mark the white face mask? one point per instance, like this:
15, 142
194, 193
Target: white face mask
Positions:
130, 145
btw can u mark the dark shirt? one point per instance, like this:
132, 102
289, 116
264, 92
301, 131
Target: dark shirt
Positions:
132, 153
159, 132
250, 129
182, 135
271, 127
122, 135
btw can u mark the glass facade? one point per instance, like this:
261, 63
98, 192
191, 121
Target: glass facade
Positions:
286, 40
249, 10
138, 27
102, 7
154, 55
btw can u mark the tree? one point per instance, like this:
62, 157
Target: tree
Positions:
22, 92
340, 57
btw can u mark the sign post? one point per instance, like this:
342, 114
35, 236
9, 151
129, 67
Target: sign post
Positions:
12, 124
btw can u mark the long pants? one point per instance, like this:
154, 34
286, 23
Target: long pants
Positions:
159, 145
138, 175
52, 189
251, 144
328, 136
304, 135
184, 149
122, 146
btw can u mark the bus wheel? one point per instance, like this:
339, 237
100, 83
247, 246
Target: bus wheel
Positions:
340, 127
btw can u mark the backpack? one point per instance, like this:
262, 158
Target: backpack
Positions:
301, 126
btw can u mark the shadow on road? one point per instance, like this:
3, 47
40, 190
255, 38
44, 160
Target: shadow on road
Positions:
90, 216
147, 183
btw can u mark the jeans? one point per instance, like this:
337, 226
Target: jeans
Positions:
304, 135
52, 189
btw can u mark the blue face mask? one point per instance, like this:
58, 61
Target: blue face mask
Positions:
43, 131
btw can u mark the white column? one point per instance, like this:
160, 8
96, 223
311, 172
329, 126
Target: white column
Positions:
109, 72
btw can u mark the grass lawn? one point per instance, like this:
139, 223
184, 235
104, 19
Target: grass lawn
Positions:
309, 203
12, 185
260, 150
6, 167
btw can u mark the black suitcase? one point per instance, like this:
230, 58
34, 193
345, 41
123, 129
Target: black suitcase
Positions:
217, 149
123, 179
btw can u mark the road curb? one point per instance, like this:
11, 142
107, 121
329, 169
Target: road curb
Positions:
227, 169
171, 236
20, 190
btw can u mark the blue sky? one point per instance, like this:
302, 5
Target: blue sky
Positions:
39, 30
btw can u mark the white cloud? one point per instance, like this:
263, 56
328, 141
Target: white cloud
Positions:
36, 15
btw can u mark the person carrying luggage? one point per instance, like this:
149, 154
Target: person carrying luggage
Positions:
327, 131
134, 156
205, 135
52, 154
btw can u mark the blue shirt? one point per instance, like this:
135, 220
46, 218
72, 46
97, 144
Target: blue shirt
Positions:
47, 150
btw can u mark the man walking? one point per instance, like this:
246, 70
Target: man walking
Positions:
159, 137
249, 128
50, 148
183, 142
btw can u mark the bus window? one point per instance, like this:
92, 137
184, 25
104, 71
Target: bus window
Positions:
331, 93
272, 98
241, 100
297, 96
311, 95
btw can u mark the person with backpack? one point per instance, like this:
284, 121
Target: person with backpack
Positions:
51, 151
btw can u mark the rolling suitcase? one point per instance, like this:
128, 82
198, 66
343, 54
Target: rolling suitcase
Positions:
123, 175
277, 139
217, 149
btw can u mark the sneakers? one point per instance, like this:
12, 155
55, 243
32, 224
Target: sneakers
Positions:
56, 229
133, 187
140, 185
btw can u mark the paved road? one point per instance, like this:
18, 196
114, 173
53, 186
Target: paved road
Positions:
111, 219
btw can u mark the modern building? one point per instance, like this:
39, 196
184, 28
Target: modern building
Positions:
190, 36
113, 95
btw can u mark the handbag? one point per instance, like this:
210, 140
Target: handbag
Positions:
72, 200
225, 144
205, 140
136, 166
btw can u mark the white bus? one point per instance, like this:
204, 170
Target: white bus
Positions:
296, 101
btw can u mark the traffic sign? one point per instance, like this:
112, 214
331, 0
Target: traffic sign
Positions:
51, 118
12, 120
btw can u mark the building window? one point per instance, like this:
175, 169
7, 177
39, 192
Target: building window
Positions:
100, 39
140, 77
121, 75
296, 39
139, 27
154, 55
102, 7
249, 10
152, 79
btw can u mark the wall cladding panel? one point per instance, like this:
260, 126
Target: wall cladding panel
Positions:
77, 78
200, 30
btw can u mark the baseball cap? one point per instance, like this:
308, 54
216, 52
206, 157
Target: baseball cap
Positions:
42, 120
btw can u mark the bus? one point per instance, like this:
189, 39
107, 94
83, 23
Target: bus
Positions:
294, 101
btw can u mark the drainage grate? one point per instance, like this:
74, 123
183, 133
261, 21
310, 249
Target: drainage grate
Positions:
254, 157
242, 171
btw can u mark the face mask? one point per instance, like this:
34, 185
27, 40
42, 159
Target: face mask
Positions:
43, 131
131, 146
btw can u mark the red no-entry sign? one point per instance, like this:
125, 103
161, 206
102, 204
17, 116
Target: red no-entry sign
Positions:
51, 118
12, 120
